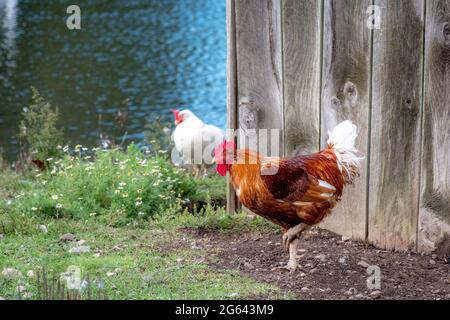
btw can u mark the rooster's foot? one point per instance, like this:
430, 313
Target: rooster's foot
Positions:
292, 266
292, 234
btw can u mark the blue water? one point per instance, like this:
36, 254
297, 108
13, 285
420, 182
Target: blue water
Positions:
157, 54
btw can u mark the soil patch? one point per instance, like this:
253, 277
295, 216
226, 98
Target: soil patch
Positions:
330, 267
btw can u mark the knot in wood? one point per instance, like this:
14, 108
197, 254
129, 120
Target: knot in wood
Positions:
446, 33
248, 117
409, 108
351, 93
335, 103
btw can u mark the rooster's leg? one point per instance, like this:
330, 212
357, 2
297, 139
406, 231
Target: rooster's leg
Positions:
292, 264
292, 234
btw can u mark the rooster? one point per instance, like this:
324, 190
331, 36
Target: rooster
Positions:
195, 140
297, 192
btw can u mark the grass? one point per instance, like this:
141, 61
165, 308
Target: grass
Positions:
129, 208
131, 238
143, 267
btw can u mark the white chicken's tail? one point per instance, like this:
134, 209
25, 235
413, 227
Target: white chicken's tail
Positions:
342, 141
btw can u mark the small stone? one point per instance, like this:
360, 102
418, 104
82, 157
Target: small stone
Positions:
363, 264
80, 249
43, 228
269, 242
320, 257
21, 288
11, 273
375, 294
305, 289
195, 246
432, 262
433, 256
343, 260
436, 291
350, 292
31, 274
248, 265
67, 237
302, 250
308, 265
302, 274
84, 284
314, 270
359, 296
345, 238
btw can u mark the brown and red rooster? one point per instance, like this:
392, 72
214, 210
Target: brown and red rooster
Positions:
295, 192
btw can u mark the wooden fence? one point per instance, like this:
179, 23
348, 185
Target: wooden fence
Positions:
304, 65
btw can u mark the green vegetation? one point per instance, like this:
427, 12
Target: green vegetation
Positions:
133, 263
38, 131
125, 209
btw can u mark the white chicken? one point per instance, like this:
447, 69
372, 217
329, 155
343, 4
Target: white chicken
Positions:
195, 140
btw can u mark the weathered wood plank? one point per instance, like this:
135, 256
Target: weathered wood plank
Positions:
232, 201
395, 125
301, 73
346, 95
434, 213
258, 42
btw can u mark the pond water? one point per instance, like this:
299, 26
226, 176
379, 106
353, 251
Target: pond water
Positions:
154, 54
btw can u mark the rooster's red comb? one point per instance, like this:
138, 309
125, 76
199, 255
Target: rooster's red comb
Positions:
223, 147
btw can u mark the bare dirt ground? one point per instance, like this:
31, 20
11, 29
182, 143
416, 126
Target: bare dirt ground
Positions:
330, 267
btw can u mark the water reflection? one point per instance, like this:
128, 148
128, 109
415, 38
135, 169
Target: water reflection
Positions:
8, 12
157, 54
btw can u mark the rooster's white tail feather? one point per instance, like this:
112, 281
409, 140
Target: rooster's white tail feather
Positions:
342, 141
